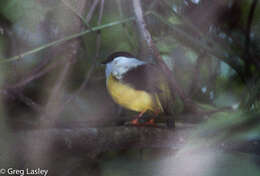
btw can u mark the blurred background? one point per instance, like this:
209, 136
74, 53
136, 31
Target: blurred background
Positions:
52, 84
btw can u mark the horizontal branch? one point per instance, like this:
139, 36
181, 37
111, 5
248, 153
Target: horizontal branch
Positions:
94, 141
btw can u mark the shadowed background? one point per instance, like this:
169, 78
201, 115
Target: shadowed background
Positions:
55, 110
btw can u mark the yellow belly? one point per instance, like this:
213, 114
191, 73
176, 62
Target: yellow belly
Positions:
130, 98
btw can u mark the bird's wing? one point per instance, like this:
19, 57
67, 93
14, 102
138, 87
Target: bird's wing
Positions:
143, 77
149, 78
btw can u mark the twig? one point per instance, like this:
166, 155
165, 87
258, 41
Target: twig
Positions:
73, 36
93, 66
203, 44
76, 13
144, 33
152, 5
248, 26
184, 19
92, 9
29, 102
101, 12
248, 59
33, 76
199, 46
37, 72
196, 75
56, 95
124, 26
89, 16
98, 42
155, 52
248, 32
14, 94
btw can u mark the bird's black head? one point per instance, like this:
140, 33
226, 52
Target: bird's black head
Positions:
114, 55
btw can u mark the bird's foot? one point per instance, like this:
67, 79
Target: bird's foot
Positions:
140, 122
150, 122
135, 122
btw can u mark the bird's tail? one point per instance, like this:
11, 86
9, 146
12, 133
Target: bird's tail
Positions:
164, 98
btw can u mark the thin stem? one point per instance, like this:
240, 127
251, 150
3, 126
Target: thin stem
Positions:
155, 52
124, 26
93, 66
73, 36
198, 45
248, 29
75, 12
34, 76
92, 9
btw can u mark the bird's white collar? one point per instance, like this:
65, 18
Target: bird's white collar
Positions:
120, 65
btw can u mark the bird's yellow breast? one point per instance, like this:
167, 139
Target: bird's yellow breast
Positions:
130, 98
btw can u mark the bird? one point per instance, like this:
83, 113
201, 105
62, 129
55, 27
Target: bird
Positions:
136, 85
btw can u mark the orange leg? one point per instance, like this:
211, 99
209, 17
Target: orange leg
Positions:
136, 120
151, 121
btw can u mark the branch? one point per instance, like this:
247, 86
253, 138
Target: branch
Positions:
29, 102
249, 23
248, 31
92, 9
199, 46
129, 37
145, 34
92, 68
70, 53
94, 141
203, 43
155, 52
73, 36
39, 71
86, 22
33, 75
194, 85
